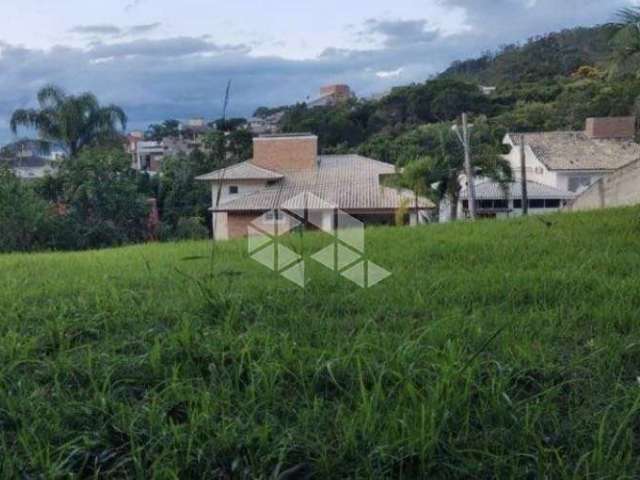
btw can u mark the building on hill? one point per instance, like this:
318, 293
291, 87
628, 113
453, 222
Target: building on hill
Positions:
269, 124
285, 168
332, 95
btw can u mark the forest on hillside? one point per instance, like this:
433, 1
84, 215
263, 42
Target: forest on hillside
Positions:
550, 82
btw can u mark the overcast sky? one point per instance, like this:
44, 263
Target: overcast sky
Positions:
164, 59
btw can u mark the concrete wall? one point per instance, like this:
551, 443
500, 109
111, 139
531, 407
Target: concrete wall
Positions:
621, 188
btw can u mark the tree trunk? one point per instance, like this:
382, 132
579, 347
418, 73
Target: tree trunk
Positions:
453, 207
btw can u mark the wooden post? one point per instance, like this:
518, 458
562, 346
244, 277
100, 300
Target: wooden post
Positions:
523, 178
471, 187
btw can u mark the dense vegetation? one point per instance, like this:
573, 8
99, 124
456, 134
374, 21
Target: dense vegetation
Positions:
475, 360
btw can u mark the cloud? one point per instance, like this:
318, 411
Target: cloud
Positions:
401, 32
389, 73
493, 22
107, 30
179, 77
96, 30
167, 48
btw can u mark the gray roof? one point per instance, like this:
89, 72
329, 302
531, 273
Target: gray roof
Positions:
494, 191
349, 182
577, 151
241, 171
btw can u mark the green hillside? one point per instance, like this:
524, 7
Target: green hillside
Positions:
497, 349
540, 58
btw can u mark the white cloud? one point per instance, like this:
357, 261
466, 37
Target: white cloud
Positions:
390, 73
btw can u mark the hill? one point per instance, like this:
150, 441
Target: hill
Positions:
540, 58
496, 349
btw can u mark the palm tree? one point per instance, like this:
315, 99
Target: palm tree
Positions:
75, 121
442, 172
626, 40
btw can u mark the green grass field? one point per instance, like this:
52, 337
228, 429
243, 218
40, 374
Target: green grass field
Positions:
499, 349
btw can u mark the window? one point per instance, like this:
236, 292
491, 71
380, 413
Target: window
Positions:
465, 204
233, 189
552, 203
578, 183
537, 203
272, 215
271, 183
517, 204
501, 204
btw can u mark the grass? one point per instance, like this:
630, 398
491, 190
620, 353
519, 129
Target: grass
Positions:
499, 349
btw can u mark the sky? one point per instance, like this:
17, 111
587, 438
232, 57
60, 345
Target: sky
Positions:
161, 59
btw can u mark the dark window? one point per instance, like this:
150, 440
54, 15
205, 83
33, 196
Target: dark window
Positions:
271, 183
552, 203
273, 215
233, 189
536, 203
465, 204
486, 203
502, 204
517, 204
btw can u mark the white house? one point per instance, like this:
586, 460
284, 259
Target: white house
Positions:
572, 161
559, 166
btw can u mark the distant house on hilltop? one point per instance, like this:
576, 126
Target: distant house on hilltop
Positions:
332, 95
286, 168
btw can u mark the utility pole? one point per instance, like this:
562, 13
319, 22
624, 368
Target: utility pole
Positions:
523, 178
471, 187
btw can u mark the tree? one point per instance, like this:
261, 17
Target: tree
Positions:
76, 121
420, 176
100, 204
626, 40
158, 131
22, 213
438, 141
181, 196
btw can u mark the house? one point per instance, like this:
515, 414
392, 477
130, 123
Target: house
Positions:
494, 200
285, 168
574, 160
559, 166
332, 95
30, 167
147, 155
487, 90
264, 125
31, 159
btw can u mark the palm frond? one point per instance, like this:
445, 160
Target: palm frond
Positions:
25, 118
628, 16
51, 95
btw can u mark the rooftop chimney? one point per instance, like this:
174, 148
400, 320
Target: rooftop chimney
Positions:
611, 127
286, 152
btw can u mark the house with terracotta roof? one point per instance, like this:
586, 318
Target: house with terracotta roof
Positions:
286, 168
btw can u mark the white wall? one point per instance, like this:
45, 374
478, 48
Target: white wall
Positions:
536, 170
245, 187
